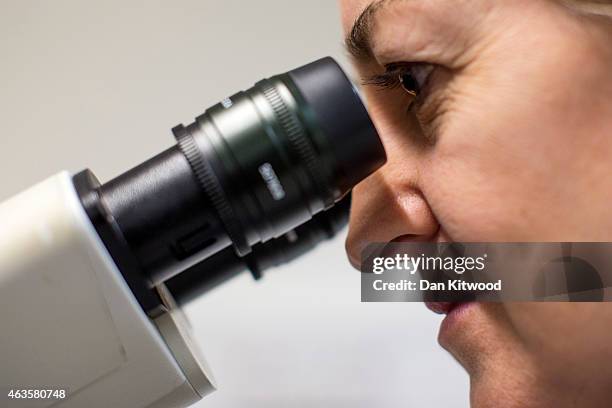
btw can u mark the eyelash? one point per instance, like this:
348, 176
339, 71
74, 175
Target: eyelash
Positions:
411, 76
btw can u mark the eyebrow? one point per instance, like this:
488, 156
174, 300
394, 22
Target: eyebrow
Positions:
358, 40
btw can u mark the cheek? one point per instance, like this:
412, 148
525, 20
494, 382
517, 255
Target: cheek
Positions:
478, 193
562, 335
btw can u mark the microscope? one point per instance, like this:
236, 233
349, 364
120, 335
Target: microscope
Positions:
93, 275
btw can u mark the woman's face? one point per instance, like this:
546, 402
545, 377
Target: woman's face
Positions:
507, 140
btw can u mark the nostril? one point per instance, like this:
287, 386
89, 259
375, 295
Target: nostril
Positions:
408, 238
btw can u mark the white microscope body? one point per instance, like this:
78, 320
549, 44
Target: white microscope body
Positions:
70, 322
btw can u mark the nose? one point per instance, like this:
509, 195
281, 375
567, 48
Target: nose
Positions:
388, 206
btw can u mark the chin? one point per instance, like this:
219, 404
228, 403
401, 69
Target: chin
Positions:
502, 372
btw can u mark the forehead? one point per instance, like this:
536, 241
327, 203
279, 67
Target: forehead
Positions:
350, 10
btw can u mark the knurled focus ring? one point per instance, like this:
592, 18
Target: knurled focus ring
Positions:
299, 141
212, 188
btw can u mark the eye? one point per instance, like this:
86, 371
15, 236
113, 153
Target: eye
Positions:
412, 77
409, 84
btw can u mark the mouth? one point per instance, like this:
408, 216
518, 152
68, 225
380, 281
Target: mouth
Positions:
456, 315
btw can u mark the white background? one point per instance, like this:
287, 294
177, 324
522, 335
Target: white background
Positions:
99, 85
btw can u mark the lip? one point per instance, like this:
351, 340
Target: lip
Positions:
456, 314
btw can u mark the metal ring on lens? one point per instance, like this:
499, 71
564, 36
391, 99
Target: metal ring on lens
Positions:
213, 189
299, 142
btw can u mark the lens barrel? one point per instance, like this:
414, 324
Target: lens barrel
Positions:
273, 156
251, 168
225, 265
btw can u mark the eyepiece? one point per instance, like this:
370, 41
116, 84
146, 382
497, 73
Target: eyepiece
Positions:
342, 117
251, 168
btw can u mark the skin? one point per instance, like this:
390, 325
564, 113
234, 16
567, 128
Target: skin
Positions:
512, 141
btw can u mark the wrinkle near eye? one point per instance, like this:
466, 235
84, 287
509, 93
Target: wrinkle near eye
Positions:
433, 108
